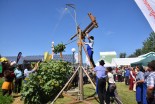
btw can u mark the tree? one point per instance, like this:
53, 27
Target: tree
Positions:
149, 44
138, 52
122, 55
132, 55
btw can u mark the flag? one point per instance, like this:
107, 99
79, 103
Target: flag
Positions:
148, 9
18, 57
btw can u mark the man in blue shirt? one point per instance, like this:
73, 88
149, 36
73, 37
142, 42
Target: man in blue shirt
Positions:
101, 84
127, 74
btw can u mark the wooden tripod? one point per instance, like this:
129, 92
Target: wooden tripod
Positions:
80, 68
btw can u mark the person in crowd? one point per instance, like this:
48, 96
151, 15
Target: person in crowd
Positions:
123, 73
114, 74
151, 83
75, 79
119, 75
132, 78
127, 74
139, 84
146, 74
90, 48
85, 78
101, 83
116, 69
29, 70
18, 79
7, 85
110, 90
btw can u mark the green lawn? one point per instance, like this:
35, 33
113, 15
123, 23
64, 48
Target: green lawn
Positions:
127, 97
4, 99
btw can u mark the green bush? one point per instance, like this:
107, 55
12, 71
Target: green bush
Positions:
59, 48
46, 83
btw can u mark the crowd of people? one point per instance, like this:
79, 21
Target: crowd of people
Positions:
13, 76
139, 79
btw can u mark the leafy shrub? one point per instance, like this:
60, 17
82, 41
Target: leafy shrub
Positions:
46, 83
59, 48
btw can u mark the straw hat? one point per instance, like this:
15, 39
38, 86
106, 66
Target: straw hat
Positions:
3, 59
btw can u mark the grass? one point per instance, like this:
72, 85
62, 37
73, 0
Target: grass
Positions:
127, 96
4, 99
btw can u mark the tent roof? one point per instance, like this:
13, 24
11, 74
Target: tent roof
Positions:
124, 61
146, 59
108, 53
147, 54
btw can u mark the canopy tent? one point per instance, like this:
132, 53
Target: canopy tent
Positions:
125, 61
146, 58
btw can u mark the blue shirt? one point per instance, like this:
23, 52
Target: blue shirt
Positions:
100, 71
18, 73
127, 73
140, 76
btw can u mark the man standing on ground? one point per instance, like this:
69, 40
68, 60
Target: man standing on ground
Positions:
127, 74
101, 85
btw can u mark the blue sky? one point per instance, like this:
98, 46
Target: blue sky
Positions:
30, 26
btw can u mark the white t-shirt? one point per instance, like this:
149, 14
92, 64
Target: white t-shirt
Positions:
91, 43
26, 72
110, 78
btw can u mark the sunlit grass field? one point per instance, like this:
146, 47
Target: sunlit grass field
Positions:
126, 96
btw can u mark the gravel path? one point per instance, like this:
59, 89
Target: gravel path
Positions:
17, 99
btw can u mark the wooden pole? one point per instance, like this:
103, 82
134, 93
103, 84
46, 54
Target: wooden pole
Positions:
80, 64
89, 78
66, 85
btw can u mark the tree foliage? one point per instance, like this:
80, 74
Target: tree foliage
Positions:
59, 48
45, 84
148, 46
122, 55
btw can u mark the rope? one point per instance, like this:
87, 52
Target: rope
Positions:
74, 18
71, 42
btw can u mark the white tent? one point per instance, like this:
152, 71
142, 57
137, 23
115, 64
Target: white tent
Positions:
125, 61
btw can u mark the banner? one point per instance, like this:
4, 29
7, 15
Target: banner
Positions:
148, 9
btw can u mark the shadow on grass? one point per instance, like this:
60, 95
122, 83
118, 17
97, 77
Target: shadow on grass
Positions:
93, 95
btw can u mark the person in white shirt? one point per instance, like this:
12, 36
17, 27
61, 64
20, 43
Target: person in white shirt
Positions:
110, 88
90, 48
29, 70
